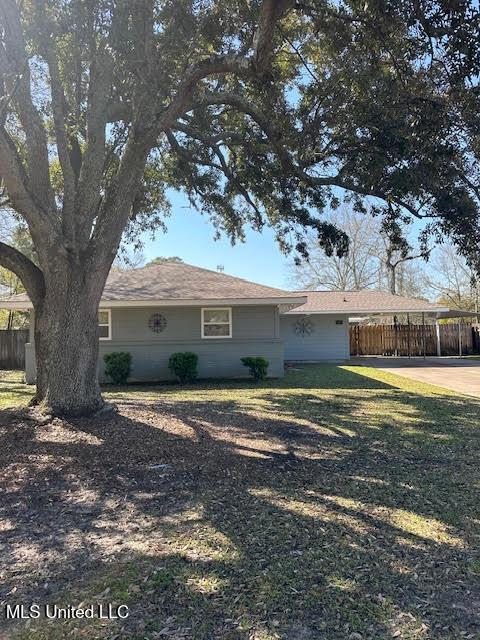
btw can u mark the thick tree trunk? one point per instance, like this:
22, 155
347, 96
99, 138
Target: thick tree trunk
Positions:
66, 345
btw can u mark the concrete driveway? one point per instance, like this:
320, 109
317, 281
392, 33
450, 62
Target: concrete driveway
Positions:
458, 374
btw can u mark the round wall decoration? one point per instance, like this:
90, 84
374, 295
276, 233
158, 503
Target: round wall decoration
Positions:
303, 327
157, 322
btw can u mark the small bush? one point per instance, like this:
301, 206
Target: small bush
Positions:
257, 366
183, 365
118, 366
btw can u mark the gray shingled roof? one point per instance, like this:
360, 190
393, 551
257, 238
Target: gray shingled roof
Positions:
179, 281
358, 302
171, 281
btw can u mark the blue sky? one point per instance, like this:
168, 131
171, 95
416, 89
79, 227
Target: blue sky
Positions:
190, 236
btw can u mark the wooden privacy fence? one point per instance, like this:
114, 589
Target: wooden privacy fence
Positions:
404, 340
12, 348
476, 338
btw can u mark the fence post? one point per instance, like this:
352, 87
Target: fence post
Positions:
423, 336
408, 335
439, 344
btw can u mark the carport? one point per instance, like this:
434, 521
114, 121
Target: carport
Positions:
318, 330
406, 334
455, 314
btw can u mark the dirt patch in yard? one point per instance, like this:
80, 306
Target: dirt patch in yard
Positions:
248, 514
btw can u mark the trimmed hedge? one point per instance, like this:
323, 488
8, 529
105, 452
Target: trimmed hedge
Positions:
118, 366
258, 367
183, 365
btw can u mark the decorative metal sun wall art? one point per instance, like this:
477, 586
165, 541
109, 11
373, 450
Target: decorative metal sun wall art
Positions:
303, 327
157, 322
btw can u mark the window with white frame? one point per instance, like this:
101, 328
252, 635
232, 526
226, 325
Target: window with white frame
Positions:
217, 323
105, 324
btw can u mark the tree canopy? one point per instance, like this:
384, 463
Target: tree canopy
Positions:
263, 112
163, 259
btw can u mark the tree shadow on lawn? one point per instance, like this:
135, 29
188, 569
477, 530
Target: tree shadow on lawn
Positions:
279, 515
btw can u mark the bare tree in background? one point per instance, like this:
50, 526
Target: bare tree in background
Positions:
452, 281
358, 269
128, 258
375, 260
397, 273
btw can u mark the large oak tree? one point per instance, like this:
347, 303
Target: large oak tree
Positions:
263, 111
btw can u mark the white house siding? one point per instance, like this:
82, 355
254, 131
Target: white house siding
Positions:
328, 340
255, 332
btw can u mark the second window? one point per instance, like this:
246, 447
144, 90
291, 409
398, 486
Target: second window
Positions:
217, 323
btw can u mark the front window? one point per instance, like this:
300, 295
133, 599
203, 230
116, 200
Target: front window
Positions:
105, 324
217, 323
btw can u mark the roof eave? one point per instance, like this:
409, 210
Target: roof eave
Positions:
363, 312
197, 302
204, 302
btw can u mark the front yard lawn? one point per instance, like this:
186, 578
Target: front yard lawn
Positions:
338, 503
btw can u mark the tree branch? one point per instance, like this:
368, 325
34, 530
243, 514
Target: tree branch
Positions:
212, 143
28, 272
288, 164
7, 99
16, 64
119, 111
214, 65
117, 205
270, 13
18, 188
416, 256
58, 109
91, 173
470, 184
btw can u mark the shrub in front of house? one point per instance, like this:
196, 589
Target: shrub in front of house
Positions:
258, 367
183, 365
118, 366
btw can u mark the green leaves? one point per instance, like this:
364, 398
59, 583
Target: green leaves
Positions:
376, 99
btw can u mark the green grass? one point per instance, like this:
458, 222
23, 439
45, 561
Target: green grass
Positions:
13, 391
341, 502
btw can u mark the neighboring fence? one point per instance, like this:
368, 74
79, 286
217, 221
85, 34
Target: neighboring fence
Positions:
12, 348
476, 337
404, 340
